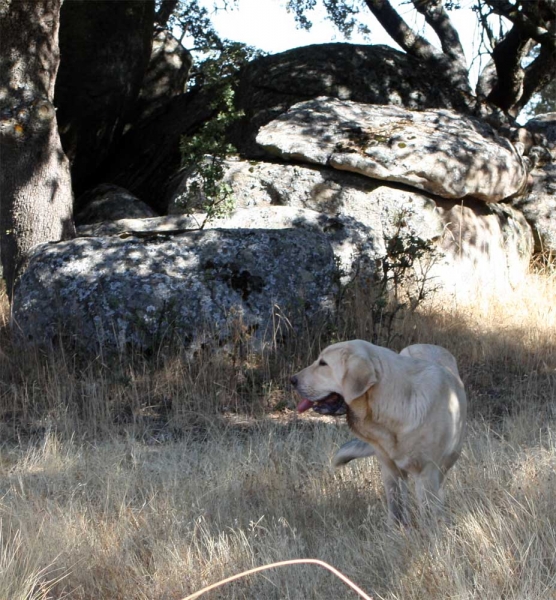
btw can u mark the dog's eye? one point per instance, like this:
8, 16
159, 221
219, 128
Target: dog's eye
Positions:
322, 363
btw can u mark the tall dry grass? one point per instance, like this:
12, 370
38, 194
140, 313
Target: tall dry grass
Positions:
149, 477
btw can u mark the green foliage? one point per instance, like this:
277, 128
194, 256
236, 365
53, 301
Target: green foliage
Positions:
401, 268
381, 296
545, 100
214, 58
298, 8
218, 64
193, 20
400, 281
206, 151
343, 13
224, 62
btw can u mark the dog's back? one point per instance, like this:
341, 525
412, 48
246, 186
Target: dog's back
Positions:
432, 353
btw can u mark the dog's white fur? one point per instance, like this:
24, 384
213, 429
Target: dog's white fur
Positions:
409, 410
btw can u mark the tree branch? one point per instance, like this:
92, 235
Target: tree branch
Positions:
521, 19
537, 75
451, 61
165, 11
507, 56
533, 22
486, 28
400, 31
438, 19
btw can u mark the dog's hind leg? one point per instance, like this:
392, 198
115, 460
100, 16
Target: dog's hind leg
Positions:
428, 487
352, 450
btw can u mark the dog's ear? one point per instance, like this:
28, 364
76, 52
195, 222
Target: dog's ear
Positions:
359, 375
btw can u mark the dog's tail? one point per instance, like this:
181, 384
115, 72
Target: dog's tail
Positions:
352, 450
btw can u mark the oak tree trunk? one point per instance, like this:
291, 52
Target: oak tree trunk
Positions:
35, 183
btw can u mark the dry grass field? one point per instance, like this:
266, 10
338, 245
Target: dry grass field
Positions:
148, 478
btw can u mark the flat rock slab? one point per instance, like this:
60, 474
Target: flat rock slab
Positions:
438, 151
115, 293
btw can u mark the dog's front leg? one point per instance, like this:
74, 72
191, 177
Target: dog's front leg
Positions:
395, 484
352, 450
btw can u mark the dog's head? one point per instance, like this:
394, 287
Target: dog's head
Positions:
341, 373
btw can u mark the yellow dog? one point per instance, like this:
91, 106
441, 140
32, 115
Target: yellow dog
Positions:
409, 410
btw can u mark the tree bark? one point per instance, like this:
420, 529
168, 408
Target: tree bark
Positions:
507, 56
35, 183
400, 31
437, 17
164, 12
538, 75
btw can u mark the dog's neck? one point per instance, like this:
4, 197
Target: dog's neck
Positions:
361, 422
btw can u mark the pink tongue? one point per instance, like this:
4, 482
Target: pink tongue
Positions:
304, 405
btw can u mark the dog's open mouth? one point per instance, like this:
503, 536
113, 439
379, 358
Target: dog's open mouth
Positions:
333, 404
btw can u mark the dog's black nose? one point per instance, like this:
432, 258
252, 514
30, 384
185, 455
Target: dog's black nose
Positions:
293, 381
